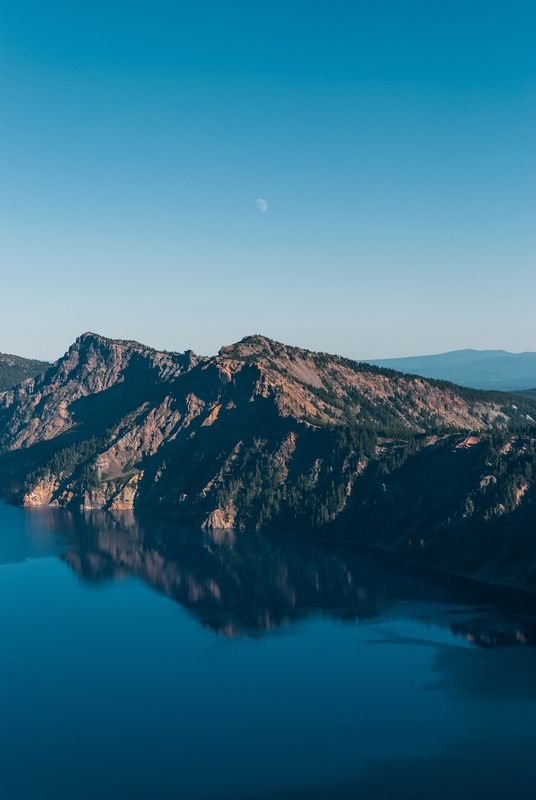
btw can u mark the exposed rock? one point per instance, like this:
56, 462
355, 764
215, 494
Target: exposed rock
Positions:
42, 494
221, 518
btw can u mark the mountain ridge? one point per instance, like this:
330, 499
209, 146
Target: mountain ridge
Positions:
268, 436
480, 369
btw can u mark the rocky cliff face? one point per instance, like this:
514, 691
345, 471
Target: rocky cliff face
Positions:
269, 436
98, 381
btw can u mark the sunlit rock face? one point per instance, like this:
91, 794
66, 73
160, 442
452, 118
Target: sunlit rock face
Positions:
269, 437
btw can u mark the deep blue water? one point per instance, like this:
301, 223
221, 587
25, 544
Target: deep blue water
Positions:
144, 659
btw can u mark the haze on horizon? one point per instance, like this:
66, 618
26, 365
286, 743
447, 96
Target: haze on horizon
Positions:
393, 144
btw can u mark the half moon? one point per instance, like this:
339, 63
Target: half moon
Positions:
262, 205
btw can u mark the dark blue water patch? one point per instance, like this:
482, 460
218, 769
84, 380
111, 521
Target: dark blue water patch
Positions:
172, 679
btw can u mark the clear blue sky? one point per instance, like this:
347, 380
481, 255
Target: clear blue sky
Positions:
394, 144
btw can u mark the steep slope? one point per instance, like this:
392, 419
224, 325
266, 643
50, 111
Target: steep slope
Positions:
98, 380
14, 369
269, 436
70, 412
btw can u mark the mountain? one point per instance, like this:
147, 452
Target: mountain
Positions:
480, 369
270, 437
14, 369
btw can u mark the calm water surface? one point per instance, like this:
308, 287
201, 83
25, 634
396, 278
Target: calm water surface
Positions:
143, 659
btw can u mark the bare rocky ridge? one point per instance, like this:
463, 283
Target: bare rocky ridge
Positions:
269, 436
51, 404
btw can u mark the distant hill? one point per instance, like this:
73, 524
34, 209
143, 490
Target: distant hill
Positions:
480, 369
14, 369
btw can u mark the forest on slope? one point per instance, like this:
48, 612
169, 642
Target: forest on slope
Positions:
15, 369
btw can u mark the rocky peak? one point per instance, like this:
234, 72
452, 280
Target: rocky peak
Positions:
97, 340
95, 373
253, 347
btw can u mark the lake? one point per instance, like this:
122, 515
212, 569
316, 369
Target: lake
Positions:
142, 658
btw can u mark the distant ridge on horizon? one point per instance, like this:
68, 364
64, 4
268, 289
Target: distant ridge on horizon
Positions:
479, 369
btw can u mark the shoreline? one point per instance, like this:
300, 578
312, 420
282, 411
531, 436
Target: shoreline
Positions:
502, 592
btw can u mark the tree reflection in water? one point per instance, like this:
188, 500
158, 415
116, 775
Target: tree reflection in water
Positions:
245, 583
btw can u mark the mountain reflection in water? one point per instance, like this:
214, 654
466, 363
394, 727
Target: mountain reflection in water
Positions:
244, 583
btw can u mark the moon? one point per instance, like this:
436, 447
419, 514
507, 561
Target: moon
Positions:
262, 205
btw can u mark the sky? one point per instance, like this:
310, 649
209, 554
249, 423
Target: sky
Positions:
393, 143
